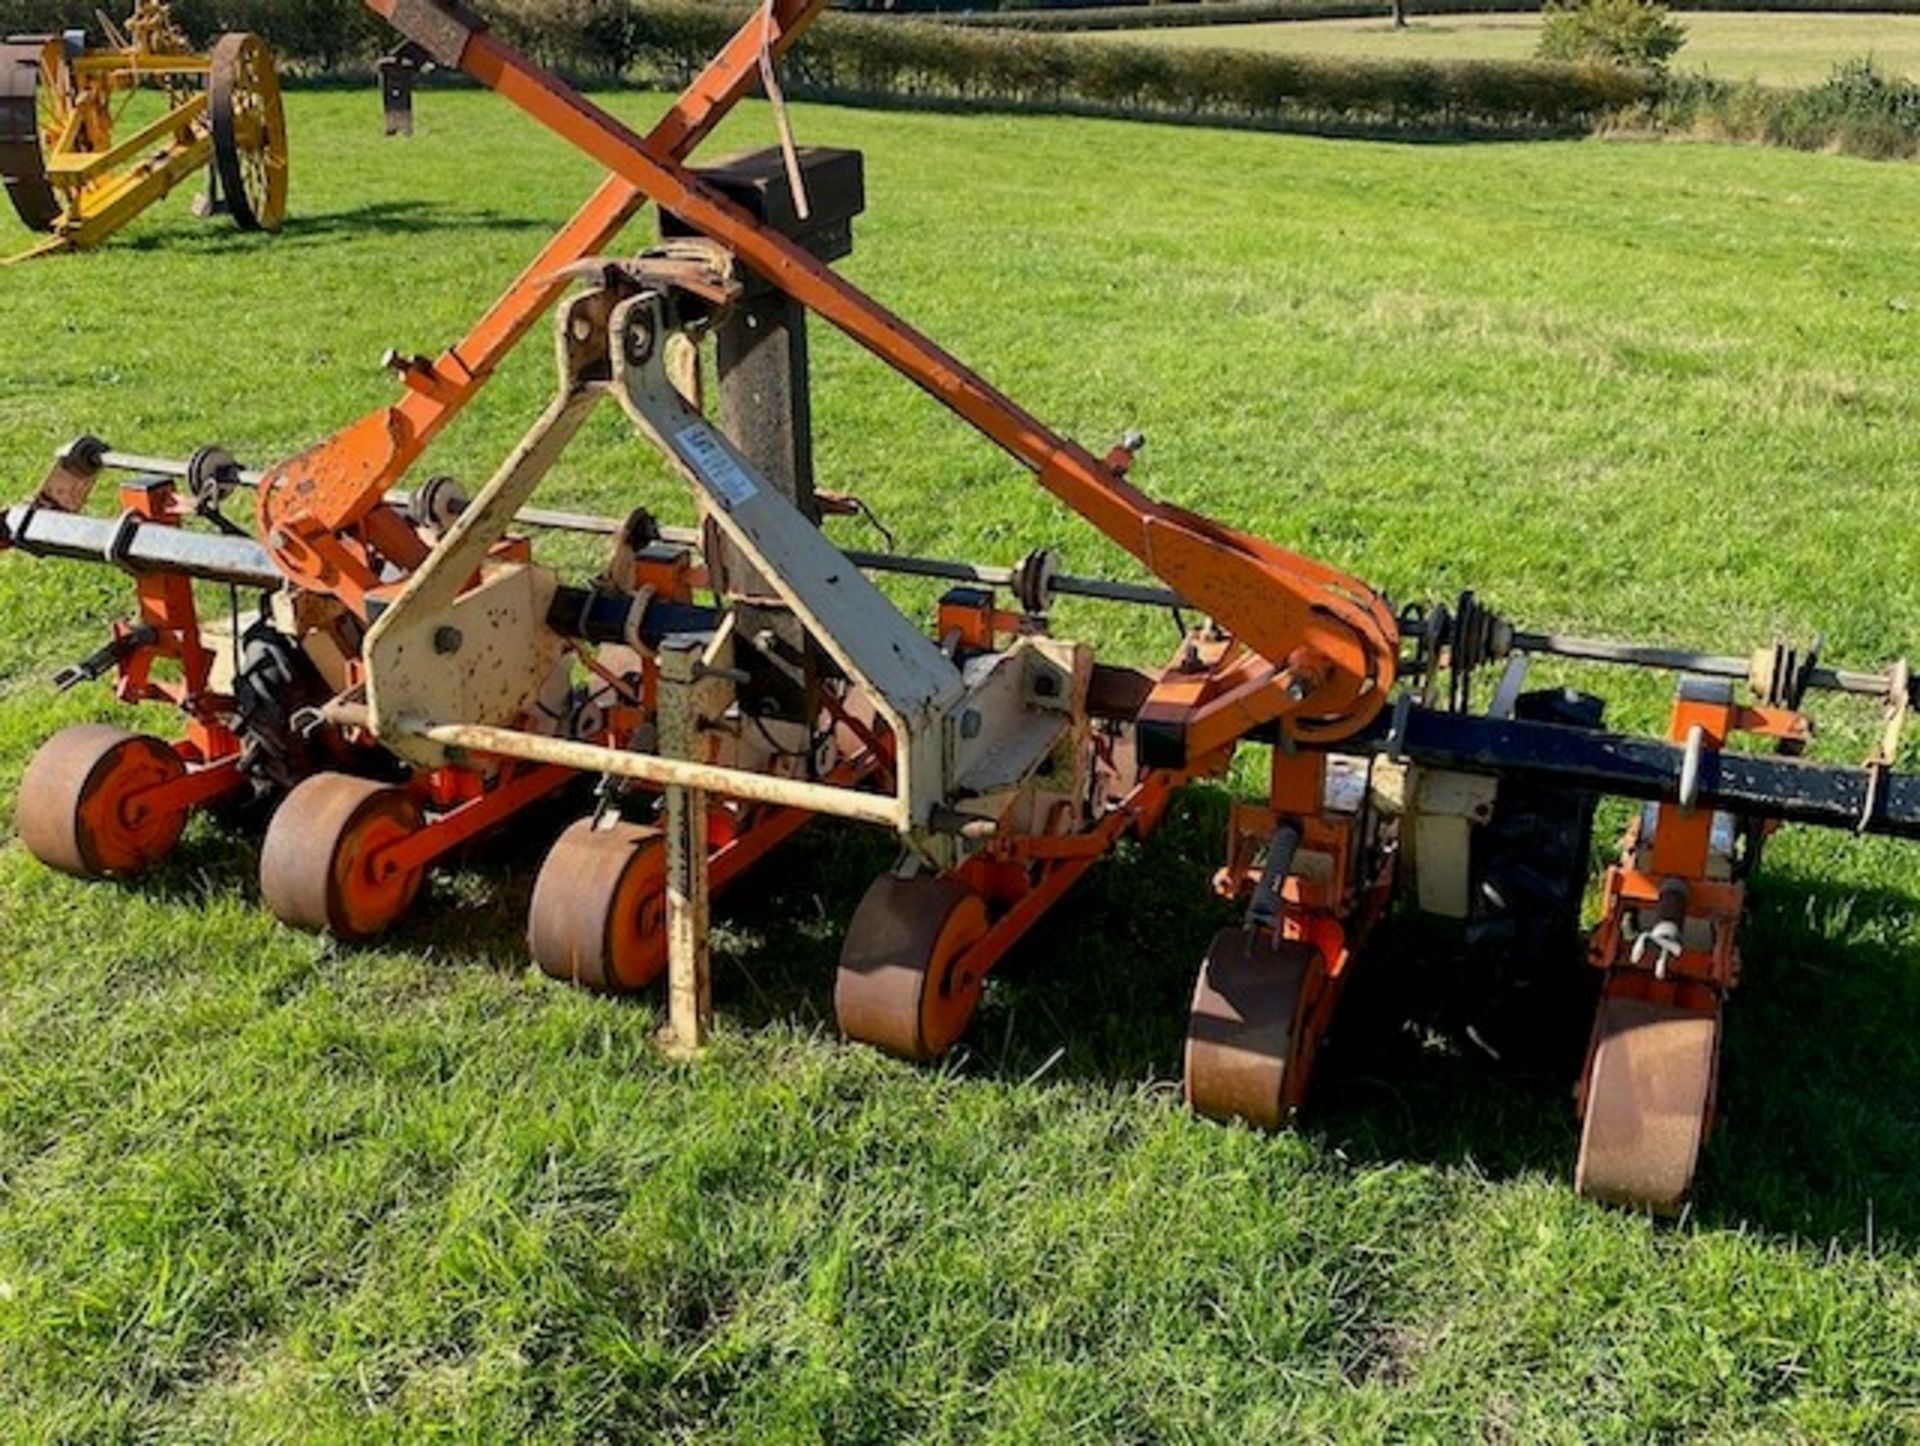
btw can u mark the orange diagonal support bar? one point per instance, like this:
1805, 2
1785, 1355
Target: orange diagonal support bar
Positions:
306, 501
1332, 640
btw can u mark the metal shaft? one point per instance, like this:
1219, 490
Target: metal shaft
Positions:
1685, 660
166, 467
58, 539
594, 525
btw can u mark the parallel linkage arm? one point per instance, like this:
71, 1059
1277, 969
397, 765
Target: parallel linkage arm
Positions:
308, 502
1329, 642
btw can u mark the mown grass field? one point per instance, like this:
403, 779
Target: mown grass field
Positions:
1773, 49
254, 1184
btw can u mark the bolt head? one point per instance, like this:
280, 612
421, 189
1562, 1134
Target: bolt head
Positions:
447, 639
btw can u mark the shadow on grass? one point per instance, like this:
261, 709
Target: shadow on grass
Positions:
218, 235
1820, 1085
1820, 1079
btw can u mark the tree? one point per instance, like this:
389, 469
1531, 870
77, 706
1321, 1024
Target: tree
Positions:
1636, 34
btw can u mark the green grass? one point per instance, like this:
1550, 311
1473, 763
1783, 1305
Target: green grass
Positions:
1774, 49
253, 1184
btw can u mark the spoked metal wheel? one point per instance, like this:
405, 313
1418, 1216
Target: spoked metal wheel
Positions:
902, 984
1648, 1100
598, 916
35, 104
81, 804
1247, 1057
319, 866
249, 131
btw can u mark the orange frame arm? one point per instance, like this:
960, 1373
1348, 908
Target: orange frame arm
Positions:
1332, 641
307, 501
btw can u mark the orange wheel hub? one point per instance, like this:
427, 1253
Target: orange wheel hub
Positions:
902, 984
598, 915
321, 866
87, 805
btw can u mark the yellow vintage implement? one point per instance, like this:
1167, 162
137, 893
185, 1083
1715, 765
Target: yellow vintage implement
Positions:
70, 176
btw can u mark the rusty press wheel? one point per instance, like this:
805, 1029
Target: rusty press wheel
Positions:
81, 809
33, 107
1244, 1057
316, 867
1649, 1096
249, 131
598, 916
898, 986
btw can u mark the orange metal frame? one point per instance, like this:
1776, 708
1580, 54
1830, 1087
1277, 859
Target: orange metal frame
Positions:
1332, 914
1680, 852
312, 504
999, 873
1327, 644
468, 820
166, 605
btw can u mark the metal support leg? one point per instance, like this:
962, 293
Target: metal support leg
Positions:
689, 972
398, 72
760, 364
766, 411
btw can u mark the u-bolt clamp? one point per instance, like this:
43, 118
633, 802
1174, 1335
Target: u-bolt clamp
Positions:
1665, 940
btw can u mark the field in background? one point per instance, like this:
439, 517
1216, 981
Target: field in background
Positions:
254, 1183
1774, 49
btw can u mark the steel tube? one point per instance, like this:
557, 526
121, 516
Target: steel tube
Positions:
143, 547
883, 809
1752, 785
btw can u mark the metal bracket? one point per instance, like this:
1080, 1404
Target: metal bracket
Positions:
905, 674
76, 467
105, 658
121, 542
1263, 910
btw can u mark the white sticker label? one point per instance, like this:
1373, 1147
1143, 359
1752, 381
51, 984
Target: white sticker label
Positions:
715, 463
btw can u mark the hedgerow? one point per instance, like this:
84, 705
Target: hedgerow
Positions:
1858, 109
850, 57
1162, 14
860, 58
1165, 14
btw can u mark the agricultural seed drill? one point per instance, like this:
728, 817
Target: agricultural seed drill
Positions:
67, 173
414, 678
